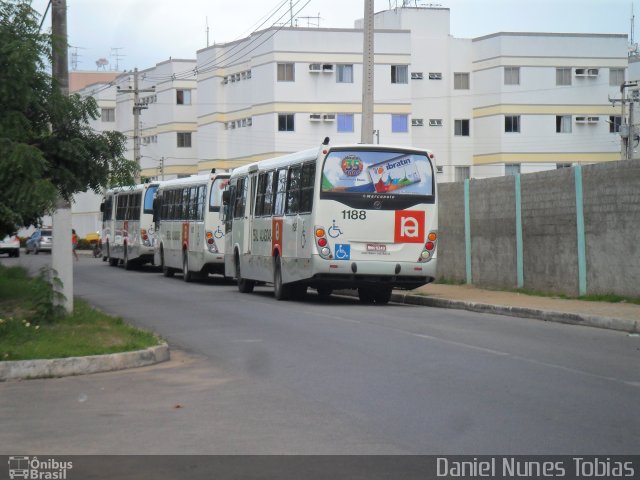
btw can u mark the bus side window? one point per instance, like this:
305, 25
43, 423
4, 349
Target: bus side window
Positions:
259, 210
240, 198
281, 187
267, 208
293, 190
307, 182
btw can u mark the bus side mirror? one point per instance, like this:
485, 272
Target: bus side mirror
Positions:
102, 207
226, 197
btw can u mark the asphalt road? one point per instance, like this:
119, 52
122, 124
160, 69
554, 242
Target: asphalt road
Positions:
251, 375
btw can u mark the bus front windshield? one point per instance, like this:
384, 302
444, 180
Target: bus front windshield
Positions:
377, 173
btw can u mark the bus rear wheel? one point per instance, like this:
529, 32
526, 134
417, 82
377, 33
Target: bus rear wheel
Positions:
244, 285
280, 291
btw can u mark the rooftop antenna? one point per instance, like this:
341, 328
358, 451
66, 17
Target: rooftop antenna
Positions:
206, 20
633, 46
116, 55
74, 57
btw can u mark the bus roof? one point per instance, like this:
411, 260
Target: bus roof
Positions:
130, 188
313, 153
192, 180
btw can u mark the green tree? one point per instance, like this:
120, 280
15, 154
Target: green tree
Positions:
47, 147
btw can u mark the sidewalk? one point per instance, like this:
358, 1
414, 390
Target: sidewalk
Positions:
615, 316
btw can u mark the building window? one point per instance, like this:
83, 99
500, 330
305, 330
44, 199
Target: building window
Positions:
462, 173
345, 122
399, 123
512, 75
512, 169
285, 122
563, 76
461, 81
286, 72
616, 77
461, 128
108, 115
184, 139
399, 74
344, 74
563, 124
615, 121
512, 123
183, 97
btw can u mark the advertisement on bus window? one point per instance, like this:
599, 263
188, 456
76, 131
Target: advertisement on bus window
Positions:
377, 175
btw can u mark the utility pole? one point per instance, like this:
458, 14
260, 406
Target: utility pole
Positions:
627, 131
61, 257
137, 109
366, 135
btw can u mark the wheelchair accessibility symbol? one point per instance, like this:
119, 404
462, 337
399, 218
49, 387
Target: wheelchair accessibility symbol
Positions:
343, 251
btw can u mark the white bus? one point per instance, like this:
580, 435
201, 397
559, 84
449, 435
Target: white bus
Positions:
189, 231
355, 216
127, 225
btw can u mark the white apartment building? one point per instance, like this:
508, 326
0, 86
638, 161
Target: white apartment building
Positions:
168, 98
285, 89
495, 105
85, 206
541, 100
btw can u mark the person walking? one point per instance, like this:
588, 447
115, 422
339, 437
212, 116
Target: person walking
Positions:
74, 242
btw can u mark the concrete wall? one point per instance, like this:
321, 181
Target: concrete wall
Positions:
611, 205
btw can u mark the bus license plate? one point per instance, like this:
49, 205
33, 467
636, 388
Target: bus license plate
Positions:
376, 247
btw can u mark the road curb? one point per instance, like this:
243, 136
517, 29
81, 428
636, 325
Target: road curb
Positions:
619, 324
63, 367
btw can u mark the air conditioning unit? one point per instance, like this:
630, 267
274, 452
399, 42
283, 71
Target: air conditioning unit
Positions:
329, 117
416, 76
581, 119
327, 68
315, 117
315, 67
593, 119
439, 169
435, 76
417, 122
587, 72
435, 122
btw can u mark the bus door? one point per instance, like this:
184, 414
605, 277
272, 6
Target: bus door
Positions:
278, 235
240, 232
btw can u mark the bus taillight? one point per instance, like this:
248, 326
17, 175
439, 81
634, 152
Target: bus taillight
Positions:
144, 236
429, 247
322, 243
211, 243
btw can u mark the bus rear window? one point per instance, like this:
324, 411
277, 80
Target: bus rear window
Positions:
148, 198
377, 172
215, 198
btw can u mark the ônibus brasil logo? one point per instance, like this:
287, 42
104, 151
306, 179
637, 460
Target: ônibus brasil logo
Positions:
33, 468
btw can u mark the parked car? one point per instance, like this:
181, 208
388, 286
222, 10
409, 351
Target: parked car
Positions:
40, 241
11, 245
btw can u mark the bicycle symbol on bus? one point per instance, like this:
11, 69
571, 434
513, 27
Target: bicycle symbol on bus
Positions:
218, 233
343, 251
334, 231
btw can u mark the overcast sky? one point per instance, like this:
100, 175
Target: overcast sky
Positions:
147, 32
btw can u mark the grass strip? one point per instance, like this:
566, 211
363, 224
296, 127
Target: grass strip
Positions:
30, 331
